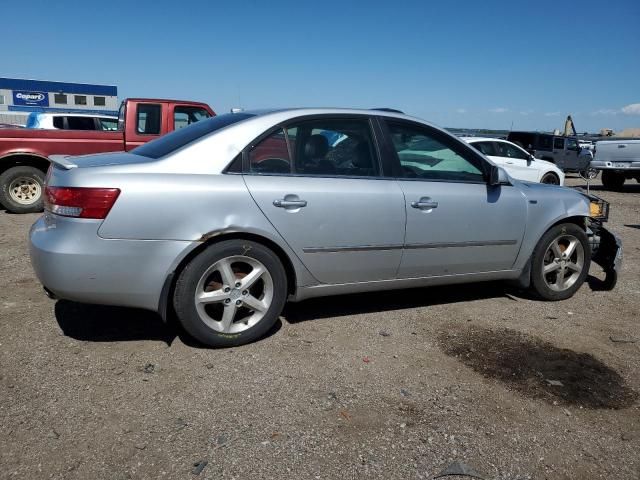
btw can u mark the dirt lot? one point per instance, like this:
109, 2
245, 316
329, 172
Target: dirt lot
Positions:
392, 385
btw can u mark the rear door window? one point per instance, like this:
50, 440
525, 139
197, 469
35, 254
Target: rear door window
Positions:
108, 124
184, 115
485, 147
58, 122
508, 150
148, 118
81, 123
333, 147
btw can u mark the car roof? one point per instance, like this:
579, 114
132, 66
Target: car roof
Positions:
163, 100
304, 111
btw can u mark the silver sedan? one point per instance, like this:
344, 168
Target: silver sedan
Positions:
224, 221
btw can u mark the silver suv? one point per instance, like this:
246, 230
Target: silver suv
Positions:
225, 220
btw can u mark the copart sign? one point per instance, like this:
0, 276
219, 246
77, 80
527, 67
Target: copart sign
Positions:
39, 99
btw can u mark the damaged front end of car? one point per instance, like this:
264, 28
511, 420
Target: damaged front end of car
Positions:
606, 246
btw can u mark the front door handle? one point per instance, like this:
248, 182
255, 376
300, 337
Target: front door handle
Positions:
290, 203
425, 203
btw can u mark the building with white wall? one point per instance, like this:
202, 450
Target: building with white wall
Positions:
19, 97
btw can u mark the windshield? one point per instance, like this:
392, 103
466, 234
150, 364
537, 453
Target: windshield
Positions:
179, 138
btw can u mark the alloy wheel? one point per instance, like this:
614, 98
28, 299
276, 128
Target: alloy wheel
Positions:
563, 262
234, 294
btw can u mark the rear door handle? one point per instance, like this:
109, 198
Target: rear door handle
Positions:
509, 163
290, 203
425, 203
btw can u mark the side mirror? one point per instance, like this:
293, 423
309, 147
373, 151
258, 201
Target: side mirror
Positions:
498, 176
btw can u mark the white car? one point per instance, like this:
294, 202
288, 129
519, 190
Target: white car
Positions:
516, 161
72, 121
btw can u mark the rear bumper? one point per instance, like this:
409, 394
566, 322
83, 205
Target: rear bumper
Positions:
74, 263
620, 166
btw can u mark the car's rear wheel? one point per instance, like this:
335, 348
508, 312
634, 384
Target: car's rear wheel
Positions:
560, 262
22, 189
231, 294
612, 180
550, 179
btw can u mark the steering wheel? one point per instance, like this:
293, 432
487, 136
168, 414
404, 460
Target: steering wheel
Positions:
273, 165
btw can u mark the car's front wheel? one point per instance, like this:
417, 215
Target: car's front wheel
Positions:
560, 262
231, 294
550, 179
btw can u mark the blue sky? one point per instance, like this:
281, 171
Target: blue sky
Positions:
458, 64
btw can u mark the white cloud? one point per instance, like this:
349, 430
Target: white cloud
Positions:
498, 110
633, 109
552, 114
461, 110
526, 112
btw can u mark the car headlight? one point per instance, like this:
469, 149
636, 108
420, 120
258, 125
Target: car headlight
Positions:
598, 209
595, 209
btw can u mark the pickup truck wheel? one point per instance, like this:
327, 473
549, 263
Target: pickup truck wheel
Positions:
560, 262
22, 189
612, 180
231, 294
550, 179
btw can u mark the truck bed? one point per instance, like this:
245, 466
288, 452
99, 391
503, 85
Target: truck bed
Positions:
64, 142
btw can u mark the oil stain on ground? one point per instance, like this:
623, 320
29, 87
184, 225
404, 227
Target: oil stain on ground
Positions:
539, 369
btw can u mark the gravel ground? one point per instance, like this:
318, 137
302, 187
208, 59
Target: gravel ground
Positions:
387, 385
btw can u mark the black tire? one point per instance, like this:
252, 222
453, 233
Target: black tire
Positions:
550, 179
539, 283
612, 180
32, 180
188, 284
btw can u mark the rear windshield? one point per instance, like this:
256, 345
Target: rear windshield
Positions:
179, 138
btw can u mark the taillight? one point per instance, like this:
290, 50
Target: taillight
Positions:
80, 202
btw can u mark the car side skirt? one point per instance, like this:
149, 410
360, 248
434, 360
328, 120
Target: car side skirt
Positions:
303, 293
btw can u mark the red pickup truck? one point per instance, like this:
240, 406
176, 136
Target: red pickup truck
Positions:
24, 152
